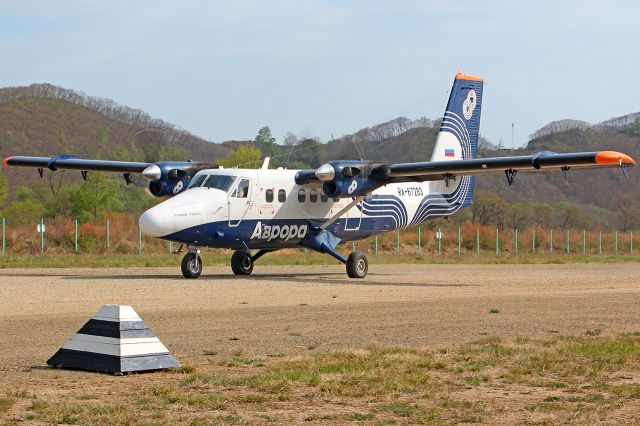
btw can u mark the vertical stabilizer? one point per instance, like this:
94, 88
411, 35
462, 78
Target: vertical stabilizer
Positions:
458, 136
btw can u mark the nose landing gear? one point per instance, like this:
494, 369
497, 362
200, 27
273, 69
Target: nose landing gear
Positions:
191, 264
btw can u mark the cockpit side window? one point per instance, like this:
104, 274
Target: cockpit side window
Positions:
242, 191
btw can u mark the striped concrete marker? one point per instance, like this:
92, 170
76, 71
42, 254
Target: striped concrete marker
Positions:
115, 340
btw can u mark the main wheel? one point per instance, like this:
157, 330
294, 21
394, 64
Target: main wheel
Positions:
241, 262
357, 265
191, 265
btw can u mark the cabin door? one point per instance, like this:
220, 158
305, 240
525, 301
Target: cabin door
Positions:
353, 218
239, 202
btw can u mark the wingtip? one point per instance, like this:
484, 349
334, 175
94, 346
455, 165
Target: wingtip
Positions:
5, 162
614, 158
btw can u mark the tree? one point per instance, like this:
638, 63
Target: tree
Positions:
24, 212
308, 153
245, 156
290, 141
266, 142
96, 194
628, 213
569, 215
24, 193
488, 207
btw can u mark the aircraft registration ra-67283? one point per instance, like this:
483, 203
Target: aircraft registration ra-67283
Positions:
257, 211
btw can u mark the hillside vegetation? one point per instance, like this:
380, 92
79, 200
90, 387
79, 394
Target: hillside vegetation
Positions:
47, 120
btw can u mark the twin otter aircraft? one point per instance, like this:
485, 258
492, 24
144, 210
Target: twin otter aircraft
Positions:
343, 200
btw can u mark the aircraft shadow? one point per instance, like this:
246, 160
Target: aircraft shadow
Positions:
372, 279
301, 278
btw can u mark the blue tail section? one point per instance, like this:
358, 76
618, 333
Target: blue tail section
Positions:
457, 140
458, 136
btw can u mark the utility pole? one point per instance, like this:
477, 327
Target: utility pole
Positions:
512, 135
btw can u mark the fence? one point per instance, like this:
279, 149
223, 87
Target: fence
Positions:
120, 234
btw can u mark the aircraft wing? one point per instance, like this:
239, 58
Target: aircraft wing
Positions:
66, 162
542, 161
372, 175
165, 178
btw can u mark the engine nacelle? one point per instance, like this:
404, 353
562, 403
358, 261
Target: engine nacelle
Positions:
167, 178
345, 179
166, 187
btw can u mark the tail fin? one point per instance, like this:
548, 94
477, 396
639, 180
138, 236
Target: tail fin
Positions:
458, 136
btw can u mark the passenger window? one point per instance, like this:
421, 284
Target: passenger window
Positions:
242, 191
323, 197
302, 194
269, 196
282, 195
313, 195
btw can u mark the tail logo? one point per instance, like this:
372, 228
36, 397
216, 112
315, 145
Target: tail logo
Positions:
469, 104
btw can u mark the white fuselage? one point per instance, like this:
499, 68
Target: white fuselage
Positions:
271, 209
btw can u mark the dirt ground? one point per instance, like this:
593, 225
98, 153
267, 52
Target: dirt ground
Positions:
293, 310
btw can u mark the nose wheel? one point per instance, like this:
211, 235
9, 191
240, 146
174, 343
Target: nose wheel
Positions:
242, 262
191, 265
357, 265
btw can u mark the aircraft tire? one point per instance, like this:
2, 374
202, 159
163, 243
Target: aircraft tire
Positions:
191, 265
357, 265
241, 262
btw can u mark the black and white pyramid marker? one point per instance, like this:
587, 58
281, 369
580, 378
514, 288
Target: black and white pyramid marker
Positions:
115, 340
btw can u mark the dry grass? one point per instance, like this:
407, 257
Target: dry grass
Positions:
60, 239
562, 380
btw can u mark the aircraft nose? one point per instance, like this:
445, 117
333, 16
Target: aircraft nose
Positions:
155, 222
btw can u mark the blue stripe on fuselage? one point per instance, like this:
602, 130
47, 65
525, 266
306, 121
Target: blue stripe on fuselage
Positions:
221, 235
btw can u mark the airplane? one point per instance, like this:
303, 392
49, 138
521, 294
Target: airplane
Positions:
258, 211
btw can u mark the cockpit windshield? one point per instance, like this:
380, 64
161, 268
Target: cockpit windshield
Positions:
197, 181
220, 182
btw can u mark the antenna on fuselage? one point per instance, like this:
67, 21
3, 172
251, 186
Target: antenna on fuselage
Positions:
265, 163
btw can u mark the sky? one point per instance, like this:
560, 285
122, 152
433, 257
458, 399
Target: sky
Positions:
223, 69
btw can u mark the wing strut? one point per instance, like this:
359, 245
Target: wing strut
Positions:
341, 212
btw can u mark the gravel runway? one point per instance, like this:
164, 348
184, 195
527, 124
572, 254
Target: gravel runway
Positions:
290, 310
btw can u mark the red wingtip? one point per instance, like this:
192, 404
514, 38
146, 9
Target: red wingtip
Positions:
6, 161
613, 158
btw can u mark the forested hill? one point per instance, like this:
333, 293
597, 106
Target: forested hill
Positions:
42, 119
48, 120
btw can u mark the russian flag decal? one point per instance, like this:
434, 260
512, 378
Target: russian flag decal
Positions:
448, 152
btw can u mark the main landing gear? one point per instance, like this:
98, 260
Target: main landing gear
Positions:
242, 261
357, 265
